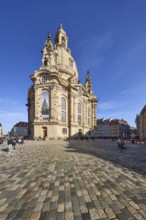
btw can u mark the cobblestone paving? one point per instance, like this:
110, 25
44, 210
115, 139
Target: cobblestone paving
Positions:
64, 180
134, 157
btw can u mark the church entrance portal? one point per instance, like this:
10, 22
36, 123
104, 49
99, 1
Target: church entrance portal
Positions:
44, 132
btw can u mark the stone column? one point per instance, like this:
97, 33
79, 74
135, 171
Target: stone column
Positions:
36, 104
53, 103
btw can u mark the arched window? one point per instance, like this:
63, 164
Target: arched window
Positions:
63, 109
64, 130
88, 116
79, 113
63, 41
45, 104
44, 79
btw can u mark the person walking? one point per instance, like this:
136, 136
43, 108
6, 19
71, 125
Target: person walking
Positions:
13, 144
119, 142
10, 142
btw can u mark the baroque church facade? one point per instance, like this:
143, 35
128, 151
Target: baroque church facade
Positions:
59, 106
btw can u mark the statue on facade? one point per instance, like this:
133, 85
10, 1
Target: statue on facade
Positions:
45, 108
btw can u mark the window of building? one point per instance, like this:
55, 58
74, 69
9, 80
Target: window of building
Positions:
88, 116
64, 130
45, 104
63, 41
79, 113
63, 109
63, 103
44, 79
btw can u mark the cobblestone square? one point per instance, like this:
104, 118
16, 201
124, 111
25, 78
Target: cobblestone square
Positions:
73, 180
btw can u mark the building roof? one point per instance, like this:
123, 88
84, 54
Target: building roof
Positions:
112, 121
21, 124
103, 121
119, 122
143, 110
106, 121
132, 128
100, 121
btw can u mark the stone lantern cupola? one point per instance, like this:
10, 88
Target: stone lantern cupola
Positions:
61, 38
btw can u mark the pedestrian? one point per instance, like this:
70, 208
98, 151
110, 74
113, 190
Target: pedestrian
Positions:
119, 142
123, 143
19, 141
10, 145
14, 144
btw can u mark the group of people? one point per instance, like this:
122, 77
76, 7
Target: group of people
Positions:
12, 143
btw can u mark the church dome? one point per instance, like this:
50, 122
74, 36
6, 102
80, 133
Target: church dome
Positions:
58, 57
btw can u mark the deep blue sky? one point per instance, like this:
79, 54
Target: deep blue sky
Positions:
106, 37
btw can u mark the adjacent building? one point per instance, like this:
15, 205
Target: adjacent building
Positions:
137, 122
0, 129
103, 127
59, 106
20, 129
112, 128
141, 124
133, 132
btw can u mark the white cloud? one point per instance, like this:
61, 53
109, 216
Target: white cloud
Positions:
11, 114
7, 101
125, 60
93, 50
141, 45
134, 90
110, 105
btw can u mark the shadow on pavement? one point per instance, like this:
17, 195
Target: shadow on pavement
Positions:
133, 158
5, 150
